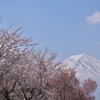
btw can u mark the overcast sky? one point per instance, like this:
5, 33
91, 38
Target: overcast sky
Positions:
69, 26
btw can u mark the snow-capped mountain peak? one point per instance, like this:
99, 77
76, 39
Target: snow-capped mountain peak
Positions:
85, 65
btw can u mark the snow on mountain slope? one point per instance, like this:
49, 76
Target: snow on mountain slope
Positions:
85, 65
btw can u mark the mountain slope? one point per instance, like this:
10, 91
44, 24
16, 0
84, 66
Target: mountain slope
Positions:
85, 65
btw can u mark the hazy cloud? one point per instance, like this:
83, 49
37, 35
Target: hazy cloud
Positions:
94, 19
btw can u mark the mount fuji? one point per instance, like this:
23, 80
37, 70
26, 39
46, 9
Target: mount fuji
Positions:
85, 67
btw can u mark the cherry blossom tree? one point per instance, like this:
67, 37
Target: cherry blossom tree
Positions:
15, 52
43, 69
68, 87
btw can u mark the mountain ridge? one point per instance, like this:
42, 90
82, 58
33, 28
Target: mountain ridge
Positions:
85, 65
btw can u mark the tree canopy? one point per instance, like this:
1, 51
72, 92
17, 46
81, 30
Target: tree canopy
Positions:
30, 74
